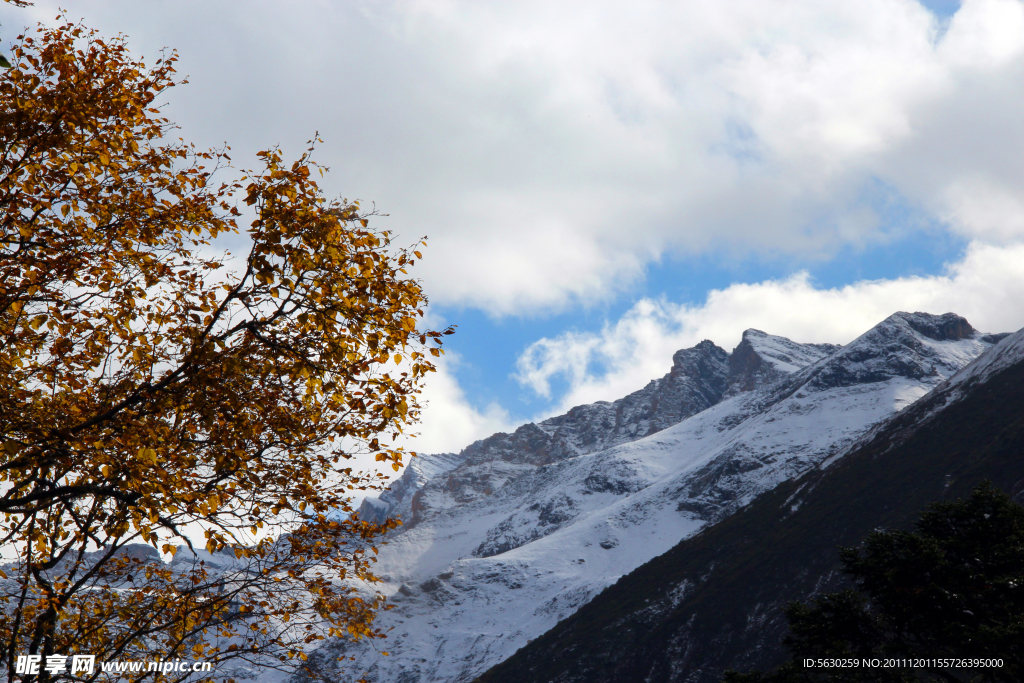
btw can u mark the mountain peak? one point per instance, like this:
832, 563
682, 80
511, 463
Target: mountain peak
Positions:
918, 346
705, 364
761, 359
945, 327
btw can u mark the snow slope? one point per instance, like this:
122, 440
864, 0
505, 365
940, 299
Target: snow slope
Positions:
518, 531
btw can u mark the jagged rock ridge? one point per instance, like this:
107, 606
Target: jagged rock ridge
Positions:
761, 359
700, 377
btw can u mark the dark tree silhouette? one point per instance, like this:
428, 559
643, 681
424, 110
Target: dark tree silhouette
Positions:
952, 589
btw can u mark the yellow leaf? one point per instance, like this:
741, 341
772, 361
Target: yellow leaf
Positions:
147, 455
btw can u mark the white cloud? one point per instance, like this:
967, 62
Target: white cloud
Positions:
986, 287
551, 150
449, 422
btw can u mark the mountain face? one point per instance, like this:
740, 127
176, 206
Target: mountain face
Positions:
519, 531
715, 600
698, 379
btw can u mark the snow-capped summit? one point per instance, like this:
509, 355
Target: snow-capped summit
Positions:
761, 359
911, 345
519, 530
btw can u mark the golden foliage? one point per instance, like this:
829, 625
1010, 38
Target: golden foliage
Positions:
145, 391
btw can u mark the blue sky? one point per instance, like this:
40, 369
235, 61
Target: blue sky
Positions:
942, 8
605, 182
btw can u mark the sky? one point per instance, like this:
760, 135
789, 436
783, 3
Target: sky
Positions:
602, 183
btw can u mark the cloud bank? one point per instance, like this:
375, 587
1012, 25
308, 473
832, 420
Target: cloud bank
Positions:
552, 150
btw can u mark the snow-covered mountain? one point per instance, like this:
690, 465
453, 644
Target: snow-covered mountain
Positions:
517, 531
716, 601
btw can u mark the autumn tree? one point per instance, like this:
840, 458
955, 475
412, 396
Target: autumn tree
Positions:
150, 394
952, 589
